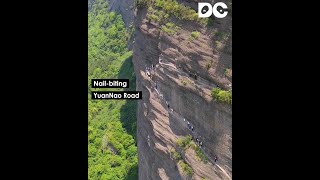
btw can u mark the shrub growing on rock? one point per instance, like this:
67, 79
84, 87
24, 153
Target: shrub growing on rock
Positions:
222, 95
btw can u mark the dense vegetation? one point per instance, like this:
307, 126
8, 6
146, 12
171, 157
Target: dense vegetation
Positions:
172, 7
187, 142
186, 168
184, 142
112, 151
170, 28
160, 10
222, 95
175, 155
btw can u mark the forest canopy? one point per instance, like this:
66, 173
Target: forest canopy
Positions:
112, 151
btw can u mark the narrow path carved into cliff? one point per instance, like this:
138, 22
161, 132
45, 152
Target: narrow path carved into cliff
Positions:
223, 171
194, 134
200, 81
181, 120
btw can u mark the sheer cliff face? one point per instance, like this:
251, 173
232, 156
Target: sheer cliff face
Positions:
125, 8
175, 56
159, 129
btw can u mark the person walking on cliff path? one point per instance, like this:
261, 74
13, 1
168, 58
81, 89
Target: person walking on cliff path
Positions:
167, 104
148, 73
215, 159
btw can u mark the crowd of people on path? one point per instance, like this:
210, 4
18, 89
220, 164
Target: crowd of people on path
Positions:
197, 139
149, 69
191, 127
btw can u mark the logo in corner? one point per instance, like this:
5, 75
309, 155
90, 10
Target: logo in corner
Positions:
219, 10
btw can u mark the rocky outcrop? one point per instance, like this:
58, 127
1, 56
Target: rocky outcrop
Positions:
125, 8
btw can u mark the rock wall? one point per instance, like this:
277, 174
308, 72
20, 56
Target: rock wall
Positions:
158, 127
125, 8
